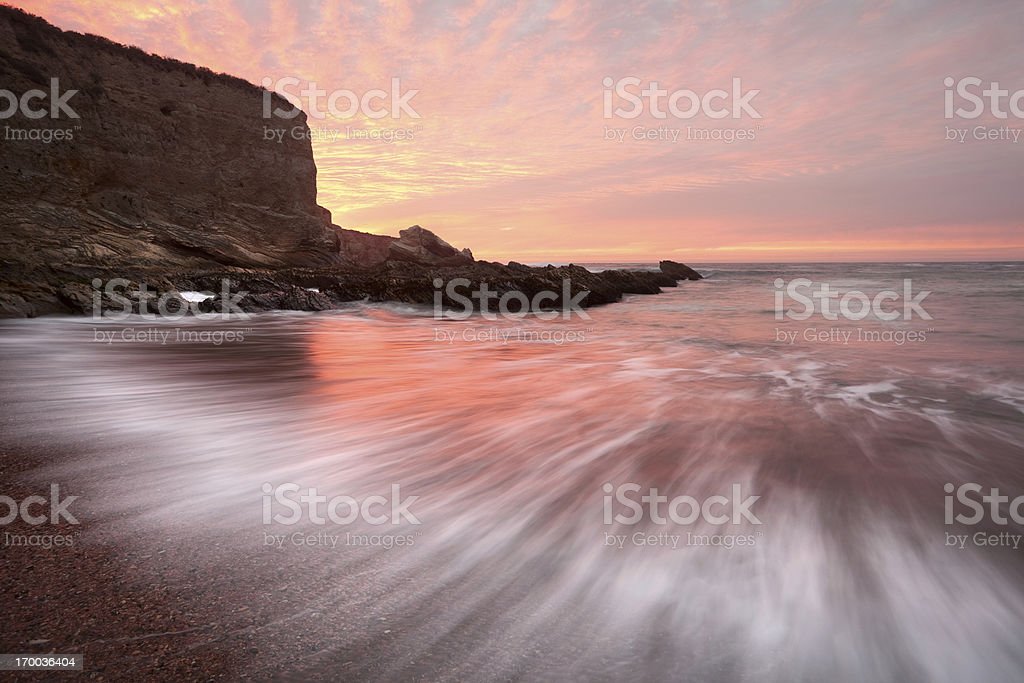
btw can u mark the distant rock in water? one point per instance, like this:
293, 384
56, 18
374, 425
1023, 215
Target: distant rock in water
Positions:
679, 271
171, 175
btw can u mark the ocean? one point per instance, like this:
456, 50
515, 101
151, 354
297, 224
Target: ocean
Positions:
721, 482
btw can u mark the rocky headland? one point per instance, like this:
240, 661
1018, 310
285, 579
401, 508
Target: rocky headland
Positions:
159, 172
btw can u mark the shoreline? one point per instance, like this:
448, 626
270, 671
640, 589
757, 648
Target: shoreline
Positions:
83, 599
83, 290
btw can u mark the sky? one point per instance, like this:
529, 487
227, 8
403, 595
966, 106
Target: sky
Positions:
513, 145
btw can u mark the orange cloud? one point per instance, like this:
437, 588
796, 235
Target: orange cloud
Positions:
511, 154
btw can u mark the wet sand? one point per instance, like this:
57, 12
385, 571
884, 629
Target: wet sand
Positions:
509, 448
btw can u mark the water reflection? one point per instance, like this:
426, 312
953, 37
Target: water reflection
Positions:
508, 446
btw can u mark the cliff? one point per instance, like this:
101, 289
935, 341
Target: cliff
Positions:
151, 162
413, 245
118, 163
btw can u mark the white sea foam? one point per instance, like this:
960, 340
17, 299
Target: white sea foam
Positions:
508, 447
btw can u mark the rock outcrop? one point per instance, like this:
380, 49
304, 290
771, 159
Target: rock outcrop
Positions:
413, 245
364, 249
164, 173
679, 271
151, 162
316, 289
417, 245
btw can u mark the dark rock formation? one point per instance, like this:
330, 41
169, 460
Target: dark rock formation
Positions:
314, 289
417, 245
638, 281
162, 163
167, 174
364, 249
413, 245
679, 271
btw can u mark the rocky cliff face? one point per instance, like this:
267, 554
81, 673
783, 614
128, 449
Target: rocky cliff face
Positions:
120, 164
413, 245
363, 248
418, 245
149, 162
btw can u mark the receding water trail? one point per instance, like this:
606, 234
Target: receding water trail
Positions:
507, 447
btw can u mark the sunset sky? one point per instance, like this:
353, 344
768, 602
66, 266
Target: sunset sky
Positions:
509, 154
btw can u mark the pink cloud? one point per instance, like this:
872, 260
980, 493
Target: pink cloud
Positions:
510, 156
